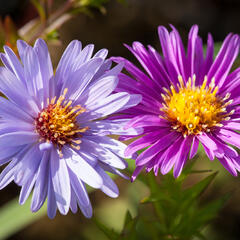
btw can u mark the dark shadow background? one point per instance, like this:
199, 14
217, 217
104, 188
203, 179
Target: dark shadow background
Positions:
125, 23
139, 19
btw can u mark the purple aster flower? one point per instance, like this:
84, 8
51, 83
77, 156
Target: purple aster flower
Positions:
187, 98
52, 127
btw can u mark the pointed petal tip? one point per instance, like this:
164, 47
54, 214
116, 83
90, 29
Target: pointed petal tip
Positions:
133, 178
20, 41
164, 171
111, 193
117, 59
6, 48
128, 47
75, 41
40, 41
137, 45
63, 210
128, 153
87, 211
161, 28
51, 215
20, 201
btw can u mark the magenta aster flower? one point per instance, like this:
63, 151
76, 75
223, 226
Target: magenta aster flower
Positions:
52, 127
187, 98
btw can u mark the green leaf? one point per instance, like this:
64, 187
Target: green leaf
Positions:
200, 217
196, 190
147, 229
122, 1
128, 219
53, 35
186, 171
156, 198
14, 217
84, 6
129, 229
210, 210
177, 211
152, 183
200, 236
110, 233
40, 10
217, 46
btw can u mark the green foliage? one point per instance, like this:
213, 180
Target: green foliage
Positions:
171, 211
86, 6
14, 217
40, 9
110, 233
92, 3
52, 36
217, 47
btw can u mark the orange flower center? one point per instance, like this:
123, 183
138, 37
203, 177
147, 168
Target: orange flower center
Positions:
57, 123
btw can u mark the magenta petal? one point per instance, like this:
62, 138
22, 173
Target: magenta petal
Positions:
143, 142
232, 125
147, 120
207, 141
192, 38
194, 148
229, 165
158, 146
224, 59
224, 148
167, 47
182, 156
209, 56
230, 137
180, 52
171, 156
136, 172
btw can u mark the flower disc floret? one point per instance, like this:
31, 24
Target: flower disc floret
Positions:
57, 123
194, 109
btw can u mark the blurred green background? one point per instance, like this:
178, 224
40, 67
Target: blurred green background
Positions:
125, 23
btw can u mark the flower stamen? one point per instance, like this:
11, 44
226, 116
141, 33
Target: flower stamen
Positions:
195, 109
57, 123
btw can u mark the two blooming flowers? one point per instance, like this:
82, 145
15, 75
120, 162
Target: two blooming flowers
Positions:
54, 127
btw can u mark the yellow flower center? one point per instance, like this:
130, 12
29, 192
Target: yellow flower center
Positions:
194, 109
57, 123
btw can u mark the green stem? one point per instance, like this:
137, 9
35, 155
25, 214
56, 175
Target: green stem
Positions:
60, 11
159, 212
201, 171
53, 19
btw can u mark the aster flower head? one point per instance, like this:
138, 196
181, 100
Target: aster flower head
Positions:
188, 98
53, 127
